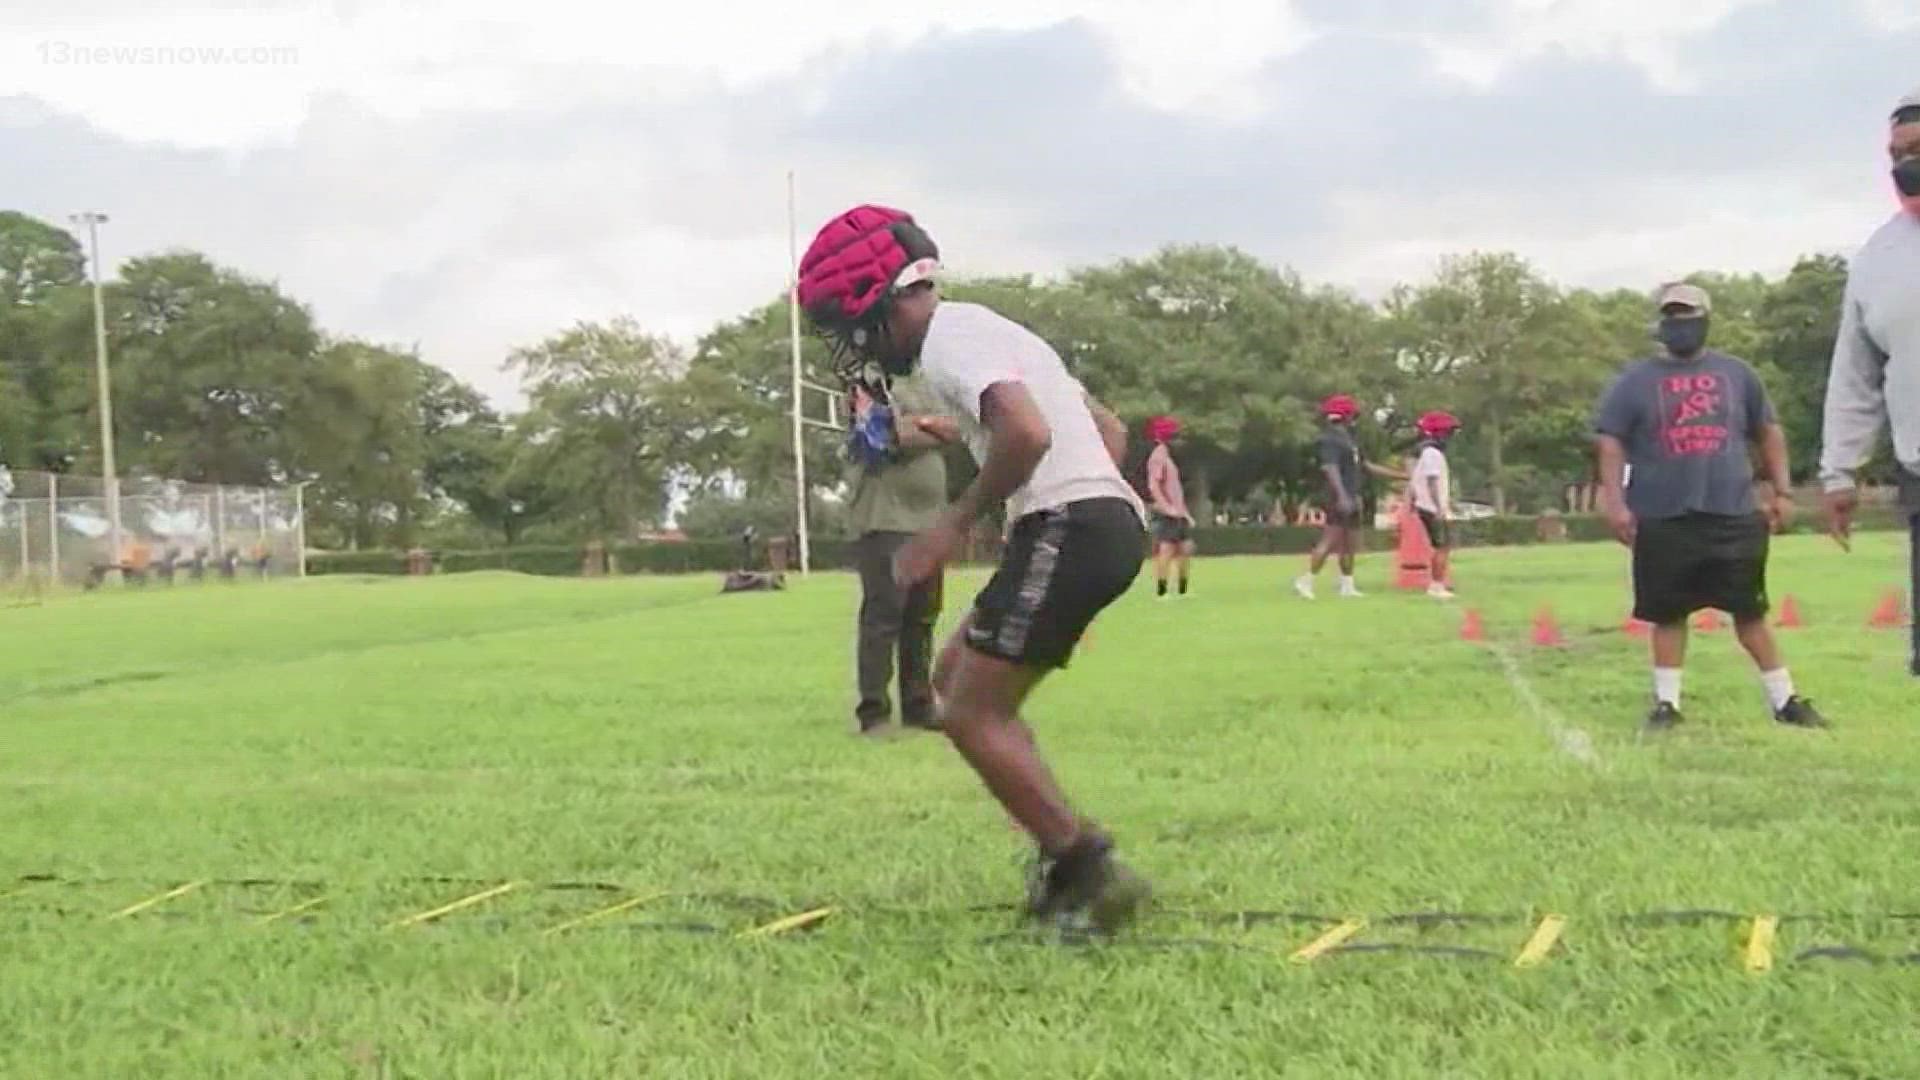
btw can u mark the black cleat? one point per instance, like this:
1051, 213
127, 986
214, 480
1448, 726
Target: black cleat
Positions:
1664, 717
1086, 889
1799, 712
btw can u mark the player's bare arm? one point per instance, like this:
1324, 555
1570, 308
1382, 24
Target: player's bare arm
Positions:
1613, 494
1017, 438
1773, 457
1112, 431
926, 432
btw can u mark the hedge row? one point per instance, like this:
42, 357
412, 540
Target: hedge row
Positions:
709, 556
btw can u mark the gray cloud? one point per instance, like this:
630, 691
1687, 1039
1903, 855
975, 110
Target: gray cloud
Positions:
471, 232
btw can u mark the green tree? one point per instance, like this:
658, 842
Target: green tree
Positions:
1496, 344
46, 341
206, 363
602, 426
1797, 324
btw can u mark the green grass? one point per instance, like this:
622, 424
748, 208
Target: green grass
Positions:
352, 739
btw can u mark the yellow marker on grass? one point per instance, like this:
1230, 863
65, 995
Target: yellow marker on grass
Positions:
1760, 943
595, 916
464, 902
1534, 953
791, 922
296, 909
155, 901
1329, 941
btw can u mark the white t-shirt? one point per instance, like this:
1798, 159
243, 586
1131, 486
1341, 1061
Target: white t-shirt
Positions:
1432, 463
969, 348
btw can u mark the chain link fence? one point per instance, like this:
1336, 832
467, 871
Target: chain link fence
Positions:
59, 530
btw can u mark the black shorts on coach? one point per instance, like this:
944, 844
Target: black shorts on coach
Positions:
1061, 567
1686, 564
1438, 534
1168, 529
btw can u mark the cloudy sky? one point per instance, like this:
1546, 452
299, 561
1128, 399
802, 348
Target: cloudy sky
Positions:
469, 175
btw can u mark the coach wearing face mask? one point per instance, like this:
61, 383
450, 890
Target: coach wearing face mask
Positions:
1689, 421
1876, 360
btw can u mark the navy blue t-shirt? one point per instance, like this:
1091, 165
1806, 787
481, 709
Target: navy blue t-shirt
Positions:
1687, 426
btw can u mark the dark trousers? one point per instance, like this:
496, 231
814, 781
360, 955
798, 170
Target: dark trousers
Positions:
1913, 596
894, 621
1910, 504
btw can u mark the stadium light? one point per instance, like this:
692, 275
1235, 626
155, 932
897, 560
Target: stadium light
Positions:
109, 476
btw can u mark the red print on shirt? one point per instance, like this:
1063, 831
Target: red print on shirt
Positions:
1693, 415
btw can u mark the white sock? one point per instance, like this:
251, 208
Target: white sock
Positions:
1346, 583
1666, 685
1779, 686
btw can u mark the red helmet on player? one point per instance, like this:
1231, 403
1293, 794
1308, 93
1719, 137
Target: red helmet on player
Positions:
856, 265
1437, 425
1340, 408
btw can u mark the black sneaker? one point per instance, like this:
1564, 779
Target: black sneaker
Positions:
1799, 712
1664, 717
1086, 888
921, 722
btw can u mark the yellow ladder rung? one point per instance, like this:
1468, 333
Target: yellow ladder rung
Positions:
1329, 941
464, 902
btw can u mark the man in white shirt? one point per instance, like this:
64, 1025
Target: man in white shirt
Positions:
1077, 535
1432, 486
1874, 382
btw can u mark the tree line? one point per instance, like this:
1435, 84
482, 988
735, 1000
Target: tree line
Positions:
220, 377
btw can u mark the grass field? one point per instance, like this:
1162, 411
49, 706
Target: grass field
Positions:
380, 748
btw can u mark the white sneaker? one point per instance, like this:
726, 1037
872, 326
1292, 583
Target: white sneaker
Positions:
1351, 592
1304, 586
1439, 591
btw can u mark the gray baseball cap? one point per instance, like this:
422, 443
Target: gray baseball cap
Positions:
1911, 101
1684, 295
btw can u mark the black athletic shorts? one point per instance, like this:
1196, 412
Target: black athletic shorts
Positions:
1059, 570
1338, 520
1685, 564
1438, 534
1170, 530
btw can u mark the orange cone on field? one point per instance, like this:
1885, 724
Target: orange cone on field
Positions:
1891, 614
1546, 633
1708, 620
1637, 628
1471, 628
1790, 614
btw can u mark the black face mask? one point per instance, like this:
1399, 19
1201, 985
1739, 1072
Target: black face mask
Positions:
1906, 176
1683, 336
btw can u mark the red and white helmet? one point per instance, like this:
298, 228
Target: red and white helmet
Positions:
856, 263
1340, 407
1437, 424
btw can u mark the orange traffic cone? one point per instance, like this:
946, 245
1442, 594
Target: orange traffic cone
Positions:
1635, 628
1708, 620
1790, 614
1415, 551
1471, 628
1546, 633
1891, 614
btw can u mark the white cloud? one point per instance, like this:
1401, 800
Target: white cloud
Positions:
474, 175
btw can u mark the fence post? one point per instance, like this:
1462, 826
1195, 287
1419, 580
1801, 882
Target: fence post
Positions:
53, 528
300, 527
26, 555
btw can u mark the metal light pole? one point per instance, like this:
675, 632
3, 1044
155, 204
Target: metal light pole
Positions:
109, 476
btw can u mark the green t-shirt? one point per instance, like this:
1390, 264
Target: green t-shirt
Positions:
907, 494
